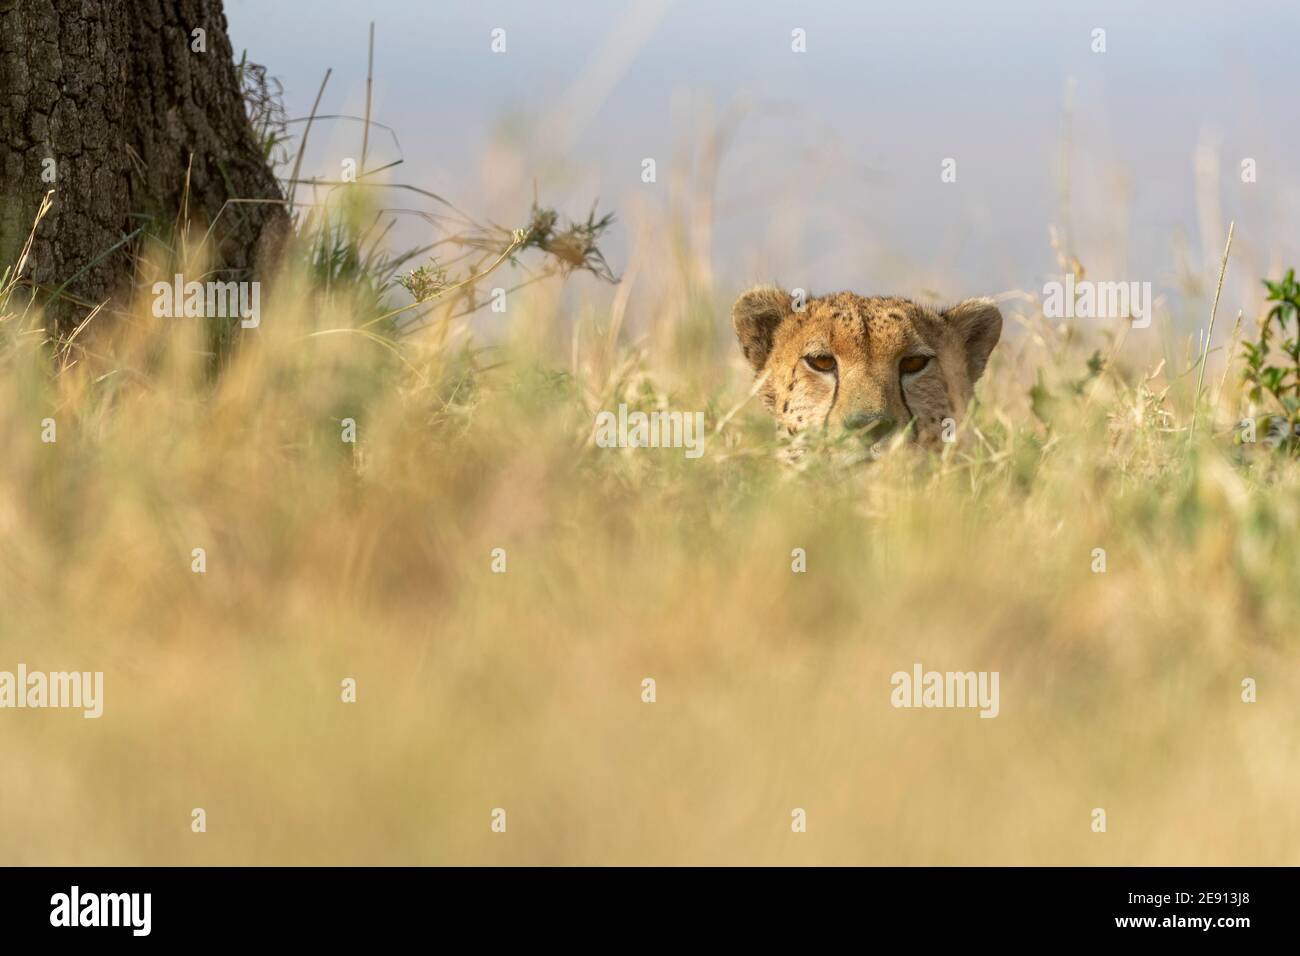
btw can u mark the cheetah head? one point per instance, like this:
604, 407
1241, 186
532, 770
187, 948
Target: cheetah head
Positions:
868, 365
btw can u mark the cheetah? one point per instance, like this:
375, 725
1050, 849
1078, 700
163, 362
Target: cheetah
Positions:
868, 365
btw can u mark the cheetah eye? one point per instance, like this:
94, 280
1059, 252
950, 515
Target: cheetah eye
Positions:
820, 363
913, 364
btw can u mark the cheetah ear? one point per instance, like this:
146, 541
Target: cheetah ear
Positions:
756, 316
978, 324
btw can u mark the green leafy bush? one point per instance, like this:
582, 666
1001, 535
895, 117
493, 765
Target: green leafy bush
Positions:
1272, 371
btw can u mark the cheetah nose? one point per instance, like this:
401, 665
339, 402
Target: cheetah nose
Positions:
873, 423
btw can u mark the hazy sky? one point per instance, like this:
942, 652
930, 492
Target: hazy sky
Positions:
832, 178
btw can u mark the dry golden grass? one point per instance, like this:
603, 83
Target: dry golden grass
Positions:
522, 690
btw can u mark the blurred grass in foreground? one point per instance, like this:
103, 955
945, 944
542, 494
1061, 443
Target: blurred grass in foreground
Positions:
523, 690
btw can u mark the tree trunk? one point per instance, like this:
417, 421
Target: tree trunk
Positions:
117, 105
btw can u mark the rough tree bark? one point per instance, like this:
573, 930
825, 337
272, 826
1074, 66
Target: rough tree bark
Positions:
116, 95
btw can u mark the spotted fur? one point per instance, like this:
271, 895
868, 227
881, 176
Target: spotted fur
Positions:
873, 340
